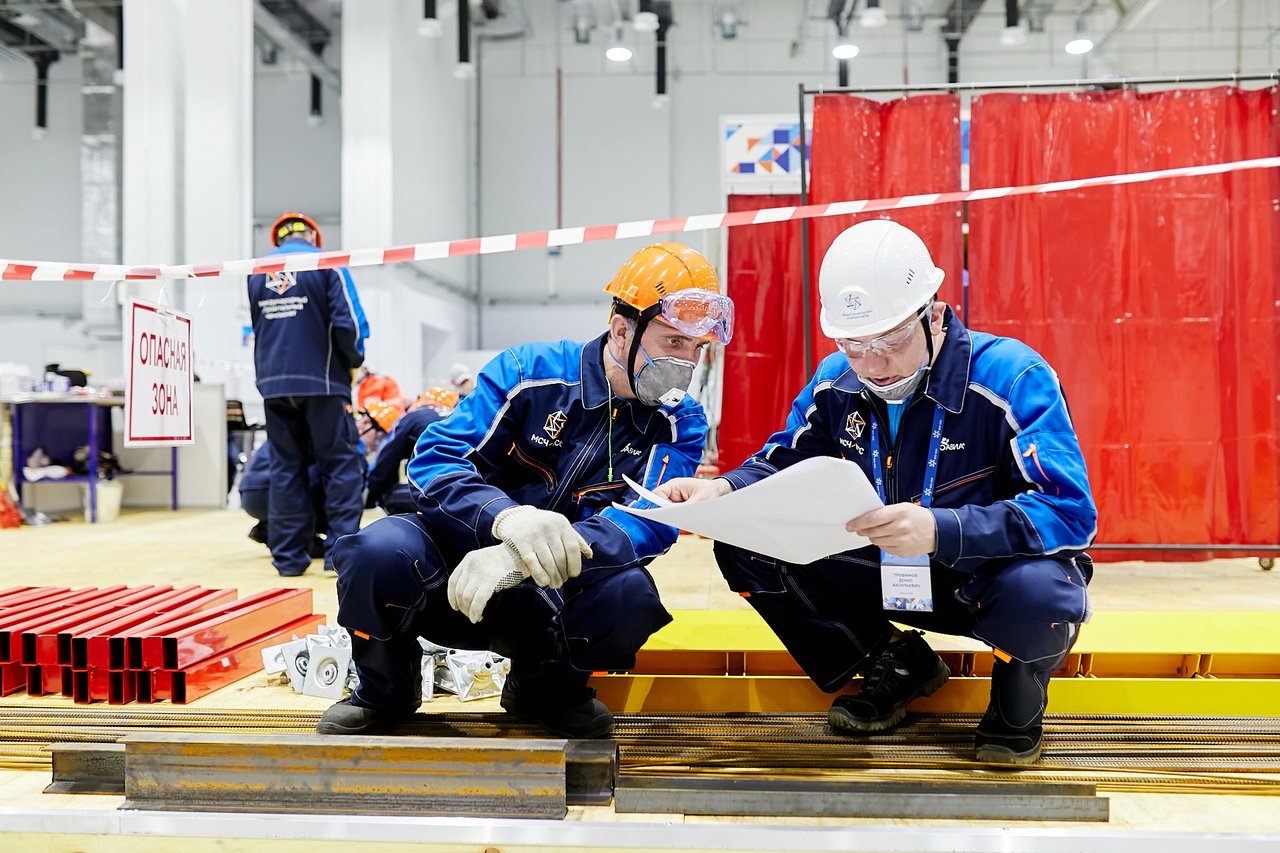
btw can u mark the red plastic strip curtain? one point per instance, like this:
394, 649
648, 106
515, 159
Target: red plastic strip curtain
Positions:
861, 149
1155, 302
872, 149
764, 365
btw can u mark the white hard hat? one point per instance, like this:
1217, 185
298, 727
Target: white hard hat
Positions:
875, 275
459, 373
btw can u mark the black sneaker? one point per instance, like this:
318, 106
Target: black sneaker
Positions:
344, 718
316, 549
998, 743
588, 718
905, 670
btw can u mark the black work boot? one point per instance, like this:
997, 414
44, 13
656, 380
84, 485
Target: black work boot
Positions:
258, 533
999, 743
559, 701
1010, 732
345, 718
390, 688
908, 668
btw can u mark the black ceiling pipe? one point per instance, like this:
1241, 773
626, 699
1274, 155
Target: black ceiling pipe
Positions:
464, 31
316, 106
1010, 13
953, 57
43, 61
428, 8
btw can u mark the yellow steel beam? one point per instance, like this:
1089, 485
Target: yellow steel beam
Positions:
781, 694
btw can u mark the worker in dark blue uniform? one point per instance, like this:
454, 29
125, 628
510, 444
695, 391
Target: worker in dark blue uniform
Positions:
516, 546
309, 332
385, 489
255, 498
967, 439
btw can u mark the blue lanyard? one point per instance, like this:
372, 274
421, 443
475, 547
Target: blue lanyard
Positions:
930, 472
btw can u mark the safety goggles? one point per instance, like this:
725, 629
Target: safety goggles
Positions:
887, 344
699, 313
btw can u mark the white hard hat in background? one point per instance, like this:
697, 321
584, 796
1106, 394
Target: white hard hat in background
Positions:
875, 275
459, 373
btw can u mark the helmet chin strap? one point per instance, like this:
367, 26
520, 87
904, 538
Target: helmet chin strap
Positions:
638, 321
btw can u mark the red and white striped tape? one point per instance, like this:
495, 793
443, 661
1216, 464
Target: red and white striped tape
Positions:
46, 271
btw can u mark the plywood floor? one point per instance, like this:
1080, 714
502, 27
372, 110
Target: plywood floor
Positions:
210, 548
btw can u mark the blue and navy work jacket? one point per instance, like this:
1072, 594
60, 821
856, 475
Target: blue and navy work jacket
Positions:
308, 329
538, 430
1011, 478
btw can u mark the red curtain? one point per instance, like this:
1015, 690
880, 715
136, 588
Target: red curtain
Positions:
861, 149
764, 365
1155, 302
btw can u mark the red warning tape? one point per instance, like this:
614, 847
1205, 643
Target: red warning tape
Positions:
46, 271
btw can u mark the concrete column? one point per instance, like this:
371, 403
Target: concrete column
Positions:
151, 223
367, 123
217, 172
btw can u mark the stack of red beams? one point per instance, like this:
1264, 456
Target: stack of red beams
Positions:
148, 643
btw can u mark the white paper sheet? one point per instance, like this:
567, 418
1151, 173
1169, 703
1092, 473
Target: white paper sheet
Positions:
796, 515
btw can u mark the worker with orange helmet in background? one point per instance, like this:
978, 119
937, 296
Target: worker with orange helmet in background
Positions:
385, 489
515, 545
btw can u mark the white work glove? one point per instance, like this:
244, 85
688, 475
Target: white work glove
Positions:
480, 574
545, 541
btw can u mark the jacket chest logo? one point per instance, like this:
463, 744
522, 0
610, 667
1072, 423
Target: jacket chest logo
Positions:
854, 425
279, 282
555, 423
950, 445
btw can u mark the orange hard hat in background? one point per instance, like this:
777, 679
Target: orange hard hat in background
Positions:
293, 222
385, 413
375, 388
437, 396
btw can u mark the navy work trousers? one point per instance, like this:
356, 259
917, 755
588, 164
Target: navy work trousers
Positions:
301, 429
829, 616
393, 587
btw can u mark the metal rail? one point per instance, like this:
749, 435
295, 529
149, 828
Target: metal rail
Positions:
1169, 754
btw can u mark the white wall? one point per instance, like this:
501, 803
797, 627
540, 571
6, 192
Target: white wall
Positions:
40, 213
625, 159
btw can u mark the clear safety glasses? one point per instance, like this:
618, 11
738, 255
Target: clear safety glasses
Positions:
699, 313
887, 344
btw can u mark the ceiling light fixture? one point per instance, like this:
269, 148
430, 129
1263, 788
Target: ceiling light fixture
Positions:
872, 15
430, 26
645, 22
1081, 43
845, 50
1012, 34
618, 51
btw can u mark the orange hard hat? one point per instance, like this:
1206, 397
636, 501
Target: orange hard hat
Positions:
375, 388
437, 396
293, 222
385, 413
660, 269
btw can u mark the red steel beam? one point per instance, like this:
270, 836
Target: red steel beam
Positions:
13, 677
154, 685
45, 644
19, 596
127, 647
43, 680
43, 605
122, 686
254, 617
10, 650
97, 638
206, 676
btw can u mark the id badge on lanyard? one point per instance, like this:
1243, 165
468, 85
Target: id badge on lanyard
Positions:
904, 581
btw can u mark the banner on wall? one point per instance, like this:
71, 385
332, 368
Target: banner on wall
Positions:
160, 375
761, 154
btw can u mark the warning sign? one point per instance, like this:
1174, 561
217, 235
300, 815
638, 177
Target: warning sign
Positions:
158, 365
